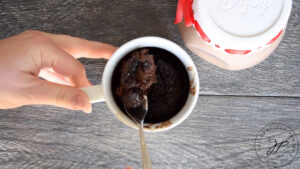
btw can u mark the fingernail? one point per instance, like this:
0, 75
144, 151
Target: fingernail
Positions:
79, 101
128, 167
88, 110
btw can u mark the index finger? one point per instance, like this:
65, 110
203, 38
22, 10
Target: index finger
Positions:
78, 47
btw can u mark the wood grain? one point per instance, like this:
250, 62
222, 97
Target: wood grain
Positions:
220, 133
119, 21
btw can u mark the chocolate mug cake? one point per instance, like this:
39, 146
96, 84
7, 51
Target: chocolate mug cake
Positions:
156, 73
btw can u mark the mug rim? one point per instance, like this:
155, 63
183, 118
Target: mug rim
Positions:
150, 41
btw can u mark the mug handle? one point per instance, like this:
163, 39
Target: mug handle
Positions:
95, 93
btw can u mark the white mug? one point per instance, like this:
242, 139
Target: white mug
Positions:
103, 92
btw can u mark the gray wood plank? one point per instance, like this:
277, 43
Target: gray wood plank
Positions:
220, 133
119, 21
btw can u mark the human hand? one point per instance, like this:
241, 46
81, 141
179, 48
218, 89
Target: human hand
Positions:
26, 56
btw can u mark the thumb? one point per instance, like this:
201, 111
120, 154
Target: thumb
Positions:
68, 97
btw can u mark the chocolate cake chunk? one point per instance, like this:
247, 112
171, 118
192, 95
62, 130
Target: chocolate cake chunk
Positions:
137, 76
158, 74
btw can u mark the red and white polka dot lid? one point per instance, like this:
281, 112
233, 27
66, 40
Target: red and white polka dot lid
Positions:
236, 26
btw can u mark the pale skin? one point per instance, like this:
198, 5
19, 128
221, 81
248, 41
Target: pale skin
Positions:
29, 56
26, 57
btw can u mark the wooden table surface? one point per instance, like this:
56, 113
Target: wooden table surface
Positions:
220, 133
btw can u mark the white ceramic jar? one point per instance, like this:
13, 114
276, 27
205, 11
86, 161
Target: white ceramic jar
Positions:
233, 34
